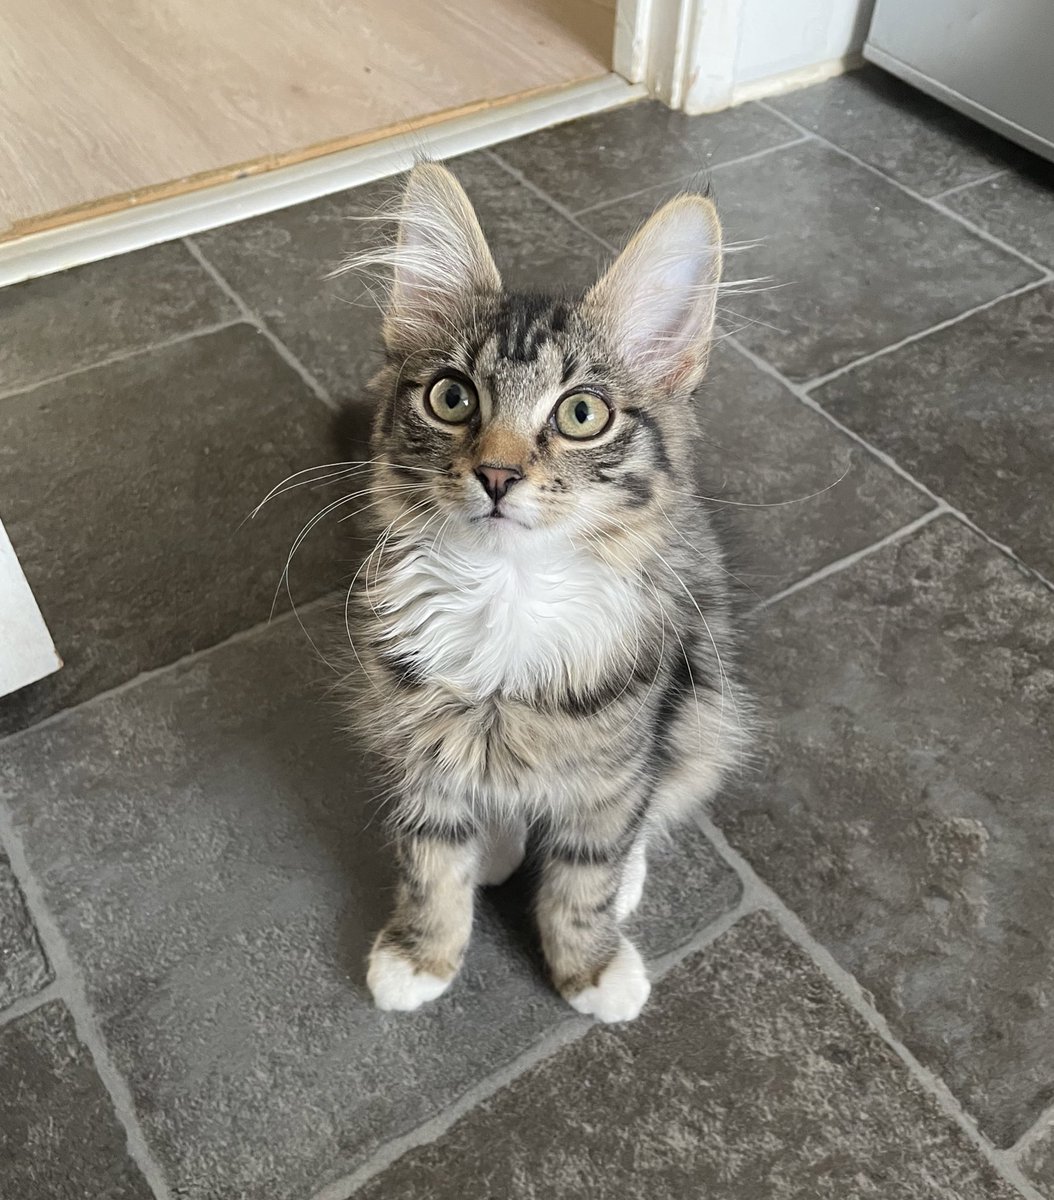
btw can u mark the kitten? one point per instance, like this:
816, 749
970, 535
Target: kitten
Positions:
544, 626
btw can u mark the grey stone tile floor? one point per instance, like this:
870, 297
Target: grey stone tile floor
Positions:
853, 951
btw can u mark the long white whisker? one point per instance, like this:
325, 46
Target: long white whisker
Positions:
313, 522
378, 548
636, 657
280, 488
767, 504
717, 653
666, 620
383, 544
726, 683
380, 493
702, 554
343, 471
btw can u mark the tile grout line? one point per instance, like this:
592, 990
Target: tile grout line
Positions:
71, 986
256, 321
1041, 1125
660, 967
238, 636
962, 187
803, 397
819, 380
544, 196
903, 187
123, 356
980, 232
564, 1034
763, 897
887, 460
706, 170
571, 1029
849, 560
27, 1004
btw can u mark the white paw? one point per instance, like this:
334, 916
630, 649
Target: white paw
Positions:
620, 992
503, 851
396, 986
632, 886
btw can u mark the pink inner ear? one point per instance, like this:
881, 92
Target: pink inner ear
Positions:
668, 321
659, 294
684, 274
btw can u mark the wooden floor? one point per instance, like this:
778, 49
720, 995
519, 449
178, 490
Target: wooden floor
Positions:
104, 105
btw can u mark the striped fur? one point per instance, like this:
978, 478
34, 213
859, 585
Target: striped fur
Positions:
569, 666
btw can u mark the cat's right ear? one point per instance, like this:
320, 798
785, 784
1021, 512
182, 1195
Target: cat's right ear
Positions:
440, 258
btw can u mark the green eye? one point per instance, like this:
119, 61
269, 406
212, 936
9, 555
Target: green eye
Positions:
582, 415
452, 399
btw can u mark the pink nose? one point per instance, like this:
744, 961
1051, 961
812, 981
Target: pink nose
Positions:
496, 481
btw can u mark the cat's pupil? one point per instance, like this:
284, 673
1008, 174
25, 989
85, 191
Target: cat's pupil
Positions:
581, 412
453, 396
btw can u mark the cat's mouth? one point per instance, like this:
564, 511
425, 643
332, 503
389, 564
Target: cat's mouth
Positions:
495, 515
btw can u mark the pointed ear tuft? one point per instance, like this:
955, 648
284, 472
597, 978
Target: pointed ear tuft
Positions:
440, 258
657, 300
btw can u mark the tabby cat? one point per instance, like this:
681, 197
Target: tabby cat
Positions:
544, 628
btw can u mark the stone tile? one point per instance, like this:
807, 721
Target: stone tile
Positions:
612, 154
124, 490
911, 137
278, 263
24, 969
1017, 207
967, 410
903, 808
206, 847
59, 1138
795, 493
856, 263
79, 317
748, 1077
1038, 1161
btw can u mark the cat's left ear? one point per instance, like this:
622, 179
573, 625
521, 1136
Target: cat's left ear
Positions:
439, 260
657, 300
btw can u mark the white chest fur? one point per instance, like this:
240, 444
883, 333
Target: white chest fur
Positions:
481, 616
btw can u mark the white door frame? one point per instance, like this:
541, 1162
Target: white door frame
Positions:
687, 52
683, 51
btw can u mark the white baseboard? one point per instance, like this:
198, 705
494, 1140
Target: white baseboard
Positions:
161, 220
791, 81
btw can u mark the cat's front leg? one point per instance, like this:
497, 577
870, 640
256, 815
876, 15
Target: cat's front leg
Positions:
419, 951
595, 968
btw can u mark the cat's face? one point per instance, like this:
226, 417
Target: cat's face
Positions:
526, 423
507, 414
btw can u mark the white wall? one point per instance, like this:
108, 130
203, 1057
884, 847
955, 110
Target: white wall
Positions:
780, 36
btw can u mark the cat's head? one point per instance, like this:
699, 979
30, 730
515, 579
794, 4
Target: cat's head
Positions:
506, 413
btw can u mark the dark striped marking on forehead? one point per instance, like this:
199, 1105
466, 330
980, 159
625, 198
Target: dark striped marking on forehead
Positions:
521, 325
